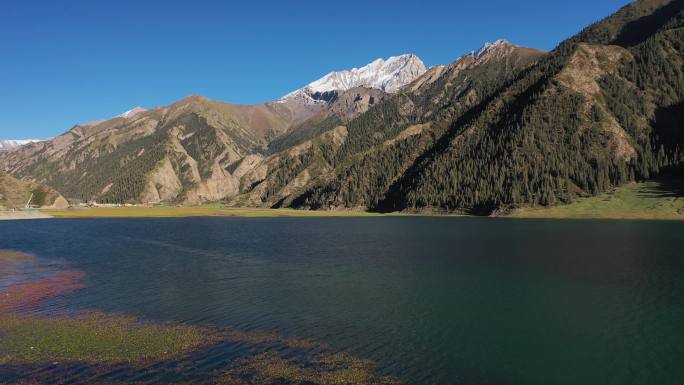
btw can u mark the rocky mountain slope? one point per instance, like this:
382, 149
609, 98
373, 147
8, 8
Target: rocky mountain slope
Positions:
501, 127
175, 153
15, 193
193, 151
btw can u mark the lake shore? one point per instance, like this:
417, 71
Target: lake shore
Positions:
197, 211
29, 214
636, 201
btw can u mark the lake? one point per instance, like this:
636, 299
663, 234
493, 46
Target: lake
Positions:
431, 300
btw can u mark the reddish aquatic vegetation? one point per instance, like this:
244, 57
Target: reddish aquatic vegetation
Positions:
108, 341
30, 294
26, 295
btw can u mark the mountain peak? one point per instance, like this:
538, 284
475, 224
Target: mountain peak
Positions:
8, 145
492, 47
132, 112
388, 75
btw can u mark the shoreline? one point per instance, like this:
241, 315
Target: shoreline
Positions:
636, 201
19, 215
556, 213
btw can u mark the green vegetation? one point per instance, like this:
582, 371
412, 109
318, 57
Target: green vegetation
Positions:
39, 196
321, 369
632, 201
94, 338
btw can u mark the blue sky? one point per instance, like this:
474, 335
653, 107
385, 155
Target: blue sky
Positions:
65, 62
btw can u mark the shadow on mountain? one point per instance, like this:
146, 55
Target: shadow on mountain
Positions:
668, 129
639, 30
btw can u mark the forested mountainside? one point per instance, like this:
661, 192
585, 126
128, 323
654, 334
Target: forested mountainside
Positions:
383, 144
503, 127
604, 108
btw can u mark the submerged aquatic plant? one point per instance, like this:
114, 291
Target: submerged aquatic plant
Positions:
318, 369
105, 340
89, 337
95, 338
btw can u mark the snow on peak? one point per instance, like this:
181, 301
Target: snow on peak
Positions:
387, 75
489, 47
131, 113
7, 145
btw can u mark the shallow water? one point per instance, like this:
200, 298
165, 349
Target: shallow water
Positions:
431, 300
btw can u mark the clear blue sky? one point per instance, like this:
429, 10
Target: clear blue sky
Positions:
64, 62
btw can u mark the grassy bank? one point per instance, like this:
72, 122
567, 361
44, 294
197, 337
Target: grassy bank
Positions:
648, 200
194, 211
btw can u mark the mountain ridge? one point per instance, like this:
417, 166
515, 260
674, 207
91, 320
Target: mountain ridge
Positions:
11, 144
498, 128
386, 75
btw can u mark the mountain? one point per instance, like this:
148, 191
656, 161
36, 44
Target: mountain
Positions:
501, 127
131, 113
199, 150
603, 108
383, 144
387, 75
193, 151
8, 145
179, 152
15, 193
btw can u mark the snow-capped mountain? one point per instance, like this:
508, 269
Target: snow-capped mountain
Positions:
8, 145
489, 48
387, 75
126, 115
131, 113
